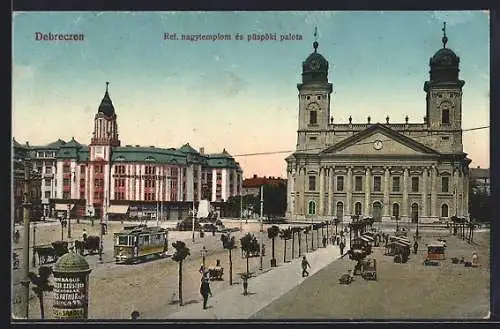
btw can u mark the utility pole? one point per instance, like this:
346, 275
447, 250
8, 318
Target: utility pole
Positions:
261, 217
33, 258
69, 223
26, 245
241, 211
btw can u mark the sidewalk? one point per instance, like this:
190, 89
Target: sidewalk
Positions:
263, 289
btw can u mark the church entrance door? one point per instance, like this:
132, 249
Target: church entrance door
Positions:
377, 211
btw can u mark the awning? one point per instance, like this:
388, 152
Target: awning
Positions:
118, 209
63, 206
369, 238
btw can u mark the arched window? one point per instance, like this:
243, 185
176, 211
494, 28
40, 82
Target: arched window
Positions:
340, 210
445, 116
414, 213
395, 210
313, 117
357, 208
444, 210
312, 208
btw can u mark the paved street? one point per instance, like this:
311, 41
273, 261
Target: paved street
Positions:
151, 286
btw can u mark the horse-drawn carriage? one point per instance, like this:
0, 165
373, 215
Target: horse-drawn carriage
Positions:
51, 252
91, 244
216, 271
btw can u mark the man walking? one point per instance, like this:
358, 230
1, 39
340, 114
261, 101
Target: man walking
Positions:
205, 291
342, 246
415, 247
305, 264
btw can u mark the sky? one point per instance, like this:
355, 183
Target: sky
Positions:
240, 95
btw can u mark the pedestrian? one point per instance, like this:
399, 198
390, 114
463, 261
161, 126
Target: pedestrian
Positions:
205, 291
324, 242
305, 264
135, 315
415, 247
474, 259
342, 246
17, 236
84, 235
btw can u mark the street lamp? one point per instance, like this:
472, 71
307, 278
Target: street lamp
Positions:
69, 222
203, 254
33, 260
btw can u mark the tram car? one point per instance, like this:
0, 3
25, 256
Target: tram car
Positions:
135, 243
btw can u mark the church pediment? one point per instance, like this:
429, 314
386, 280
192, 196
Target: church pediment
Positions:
379, 140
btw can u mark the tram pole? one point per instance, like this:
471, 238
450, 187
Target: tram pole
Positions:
26, 245
261, 217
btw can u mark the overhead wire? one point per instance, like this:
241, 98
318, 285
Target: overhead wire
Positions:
364, 143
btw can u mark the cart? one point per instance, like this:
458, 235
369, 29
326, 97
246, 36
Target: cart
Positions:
215, 272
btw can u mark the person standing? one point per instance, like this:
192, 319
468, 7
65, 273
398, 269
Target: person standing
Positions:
305, 264
205, 291
324, 242
84, 235
342, 246
415, 247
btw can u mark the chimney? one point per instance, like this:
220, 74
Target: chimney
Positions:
202, 150
254, 176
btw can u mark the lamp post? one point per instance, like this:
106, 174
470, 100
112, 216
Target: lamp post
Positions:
69, 222
192, 237
26, 245
101, 228
33, 259
241, 211
261, 225
203, 254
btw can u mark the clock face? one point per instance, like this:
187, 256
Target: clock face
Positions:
314, 64
378, 145
313, 107
445, 105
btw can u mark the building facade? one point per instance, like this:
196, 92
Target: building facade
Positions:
409, 171
105, 177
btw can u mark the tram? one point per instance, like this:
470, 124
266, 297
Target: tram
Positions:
134, 243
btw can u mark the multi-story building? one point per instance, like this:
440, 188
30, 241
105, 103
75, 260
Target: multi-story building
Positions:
479, 179
107, 178
21, 159
381, 170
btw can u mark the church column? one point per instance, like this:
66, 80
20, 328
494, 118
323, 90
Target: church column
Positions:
455, 191
291, 182
348, 194
289, 189
424, 194
302, 189
466, 192
331, 175
404, 216
460, 196
321, 211
434, 179
367, 192
387, 205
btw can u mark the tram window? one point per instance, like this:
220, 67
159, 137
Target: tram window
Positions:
123, 240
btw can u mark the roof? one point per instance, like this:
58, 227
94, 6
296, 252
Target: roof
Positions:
259, 181
71, 143
444, 57
71, 263
479, 173
148, 154
106, 106
186, 148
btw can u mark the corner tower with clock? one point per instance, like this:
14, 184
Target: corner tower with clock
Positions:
104, 138
314, 101
444, 97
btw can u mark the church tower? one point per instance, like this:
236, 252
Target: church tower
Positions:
444, 97
104, 138
314, 101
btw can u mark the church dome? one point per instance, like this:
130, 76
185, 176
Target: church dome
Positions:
106, 106
315, 67
444, 57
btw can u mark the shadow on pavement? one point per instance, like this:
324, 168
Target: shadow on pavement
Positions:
193, 301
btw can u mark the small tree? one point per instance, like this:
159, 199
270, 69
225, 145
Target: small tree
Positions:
272, 233
249, 245
285, 234
41, 285
229, 244
181, 252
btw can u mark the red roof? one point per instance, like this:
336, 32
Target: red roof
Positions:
258, 181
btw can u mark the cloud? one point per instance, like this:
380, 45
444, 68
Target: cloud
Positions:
314, 18
453, 17
22, 72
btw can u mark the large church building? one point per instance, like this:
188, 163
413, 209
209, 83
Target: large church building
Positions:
407, 170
